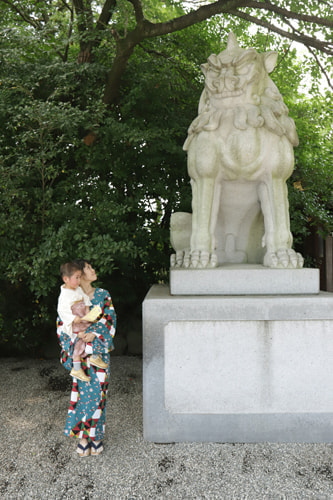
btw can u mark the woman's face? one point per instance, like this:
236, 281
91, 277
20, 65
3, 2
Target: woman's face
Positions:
88, 273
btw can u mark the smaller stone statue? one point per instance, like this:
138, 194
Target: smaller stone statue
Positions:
240, 154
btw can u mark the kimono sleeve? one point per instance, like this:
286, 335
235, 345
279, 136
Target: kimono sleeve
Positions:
105, 327
66, 344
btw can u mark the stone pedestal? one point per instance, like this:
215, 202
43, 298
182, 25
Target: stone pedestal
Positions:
237, 368
238, 279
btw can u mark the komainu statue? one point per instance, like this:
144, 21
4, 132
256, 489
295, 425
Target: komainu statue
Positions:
240, 154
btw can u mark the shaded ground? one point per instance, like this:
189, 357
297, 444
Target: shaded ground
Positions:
38, 462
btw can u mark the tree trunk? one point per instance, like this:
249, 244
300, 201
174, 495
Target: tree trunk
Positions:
85, 54
125, 48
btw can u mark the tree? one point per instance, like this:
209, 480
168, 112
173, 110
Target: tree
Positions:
94, 108
80, 180
311, 185
127, 24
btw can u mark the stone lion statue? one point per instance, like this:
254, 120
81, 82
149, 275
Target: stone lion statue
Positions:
240, 154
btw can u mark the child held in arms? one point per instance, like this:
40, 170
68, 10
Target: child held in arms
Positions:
74, 311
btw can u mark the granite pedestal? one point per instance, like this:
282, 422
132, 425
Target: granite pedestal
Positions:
246, 279
237, 368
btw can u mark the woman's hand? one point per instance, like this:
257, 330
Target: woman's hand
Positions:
88, 337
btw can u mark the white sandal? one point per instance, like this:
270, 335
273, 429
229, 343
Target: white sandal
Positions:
96, 447
83, 450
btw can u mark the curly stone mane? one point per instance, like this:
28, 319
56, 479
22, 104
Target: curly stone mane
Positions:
266, 109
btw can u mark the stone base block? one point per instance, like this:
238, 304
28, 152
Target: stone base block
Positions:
246, 279
237, 369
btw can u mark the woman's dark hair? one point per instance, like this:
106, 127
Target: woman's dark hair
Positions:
81, 263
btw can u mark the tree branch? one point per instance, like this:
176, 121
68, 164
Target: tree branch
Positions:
124, 52
69, 34
138, 10
146, 29
65, 4
193, 17
284, 13
308, 41
321, 67
84, 14
85, 24
106, 14
283, 56
24, 15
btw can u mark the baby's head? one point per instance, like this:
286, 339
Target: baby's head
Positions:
71, 275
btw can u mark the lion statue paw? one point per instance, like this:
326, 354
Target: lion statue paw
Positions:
195, 260
284, 259
203, 260
180, 259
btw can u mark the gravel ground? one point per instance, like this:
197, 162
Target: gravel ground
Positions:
38, 462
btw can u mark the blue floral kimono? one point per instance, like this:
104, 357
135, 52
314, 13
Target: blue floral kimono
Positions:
86, 413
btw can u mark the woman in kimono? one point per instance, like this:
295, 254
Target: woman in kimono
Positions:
86, 413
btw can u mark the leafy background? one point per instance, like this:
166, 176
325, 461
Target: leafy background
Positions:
80, 179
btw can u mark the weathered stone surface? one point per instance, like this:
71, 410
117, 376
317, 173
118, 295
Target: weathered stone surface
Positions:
237, 369
238, 279
240, 154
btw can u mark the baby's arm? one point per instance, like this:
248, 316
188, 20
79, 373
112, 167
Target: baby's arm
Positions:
77, 319
87, 337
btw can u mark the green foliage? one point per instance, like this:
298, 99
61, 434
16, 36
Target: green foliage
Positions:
311, 195
78, 179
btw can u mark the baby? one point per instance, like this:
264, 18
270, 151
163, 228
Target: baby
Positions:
74, 312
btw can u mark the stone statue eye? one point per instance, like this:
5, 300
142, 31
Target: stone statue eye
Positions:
242, 69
